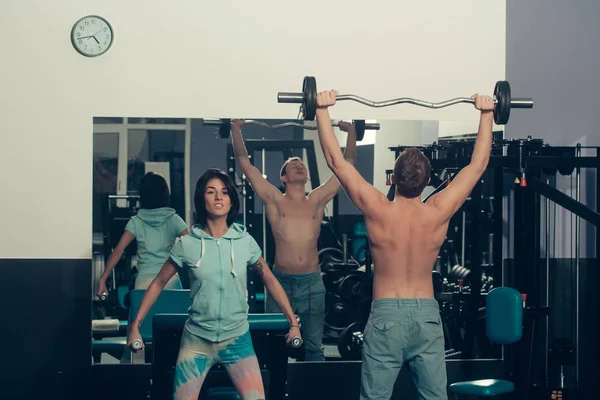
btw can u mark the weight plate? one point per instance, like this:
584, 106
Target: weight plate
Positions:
225, 128
338, 315
347, 346
309, 107
503, 98
353, 289
360, 126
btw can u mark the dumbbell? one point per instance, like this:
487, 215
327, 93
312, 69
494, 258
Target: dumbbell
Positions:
453, 274
296, 341
465, 275
138, 355
308, 98
103, 296
137, 344
225, 126
459, 272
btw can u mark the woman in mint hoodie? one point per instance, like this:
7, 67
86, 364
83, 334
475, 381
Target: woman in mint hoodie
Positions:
155, 229
216, 255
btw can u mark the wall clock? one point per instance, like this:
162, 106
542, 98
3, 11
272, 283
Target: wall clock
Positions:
92, 36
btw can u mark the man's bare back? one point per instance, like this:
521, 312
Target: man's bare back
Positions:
406, 235
405, 239
296, 225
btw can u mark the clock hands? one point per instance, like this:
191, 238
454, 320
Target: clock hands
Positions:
92, 36
97, 33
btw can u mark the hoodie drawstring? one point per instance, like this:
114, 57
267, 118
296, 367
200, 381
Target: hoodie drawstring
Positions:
201, 252
232, 255
232, 259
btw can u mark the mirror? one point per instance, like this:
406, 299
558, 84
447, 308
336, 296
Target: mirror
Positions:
181, 149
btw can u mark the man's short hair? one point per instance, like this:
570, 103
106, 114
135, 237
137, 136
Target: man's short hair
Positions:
289, 160
411, 173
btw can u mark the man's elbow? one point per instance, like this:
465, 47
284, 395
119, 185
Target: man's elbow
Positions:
350, 159
330, 164
335, 163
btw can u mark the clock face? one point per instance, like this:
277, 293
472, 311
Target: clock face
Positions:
92, 36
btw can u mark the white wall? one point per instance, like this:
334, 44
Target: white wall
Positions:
209, 59
430, 132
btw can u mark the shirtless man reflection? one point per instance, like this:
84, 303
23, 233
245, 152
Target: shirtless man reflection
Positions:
295, 220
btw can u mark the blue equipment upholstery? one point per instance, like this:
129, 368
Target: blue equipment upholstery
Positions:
504, 325
169, 301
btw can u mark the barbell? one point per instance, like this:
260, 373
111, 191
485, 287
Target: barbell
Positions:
225, 126
308, 98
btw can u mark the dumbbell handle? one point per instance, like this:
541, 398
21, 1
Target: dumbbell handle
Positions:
137, 344
298, 98
368, 126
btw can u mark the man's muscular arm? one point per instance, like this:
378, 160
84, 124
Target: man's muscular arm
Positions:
366, 197
263, 189
449, 200
275, 290
329, 189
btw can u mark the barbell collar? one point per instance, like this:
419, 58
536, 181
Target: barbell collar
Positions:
521, 103
290, 97
212, 121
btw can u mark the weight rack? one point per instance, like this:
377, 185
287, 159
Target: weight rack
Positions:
525, 161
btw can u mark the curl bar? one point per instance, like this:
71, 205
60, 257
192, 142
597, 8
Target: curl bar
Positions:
225, 126
308, 98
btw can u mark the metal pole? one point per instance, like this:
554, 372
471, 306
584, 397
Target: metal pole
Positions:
345, 247
244, 196
187, 160
577, 257
264, 216
462, 251
490, 260
546, 205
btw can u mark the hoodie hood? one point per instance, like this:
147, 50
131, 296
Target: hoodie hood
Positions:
236, 231
156, 216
